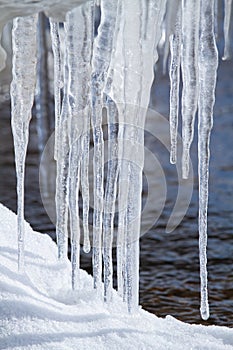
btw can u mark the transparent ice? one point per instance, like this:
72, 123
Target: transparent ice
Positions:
24, 47
111, 74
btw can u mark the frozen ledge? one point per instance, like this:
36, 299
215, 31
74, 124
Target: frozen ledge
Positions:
52, 8
39, 311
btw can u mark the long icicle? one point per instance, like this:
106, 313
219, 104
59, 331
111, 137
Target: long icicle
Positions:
120, 97
149, 56
87, 51
227, 22
131, 96
130, 88
22, 97
79, 43
127, 99
208, 63
190, 35
132, 104
174, 72
74, 28
61, 197
100, 63
112, 110
148, 48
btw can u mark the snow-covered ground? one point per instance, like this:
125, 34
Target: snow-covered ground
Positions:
38, 310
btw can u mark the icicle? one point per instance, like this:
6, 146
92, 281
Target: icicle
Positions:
132, 95
128, 104
148, 57
22, 96
72, 28
112, 110
100, 63
190, 9
227, 21
175, 47
88, 46
62, 168
208, 63
79, 44
56, 46
132, 66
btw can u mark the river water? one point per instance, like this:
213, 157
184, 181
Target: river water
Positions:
169, 263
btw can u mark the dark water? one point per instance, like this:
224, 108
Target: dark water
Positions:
169, 273
169, 262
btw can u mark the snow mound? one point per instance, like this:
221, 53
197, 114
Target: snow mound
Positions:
39, 311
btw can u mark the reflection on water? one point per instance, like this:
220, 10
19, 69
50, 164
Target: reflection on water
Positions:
169, 276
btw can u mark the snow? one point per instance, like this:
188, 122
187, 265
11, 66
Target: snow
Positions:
40, 311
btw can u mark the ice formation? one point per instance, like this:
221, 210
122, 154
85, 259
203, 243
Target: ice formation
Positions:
113, 72
22, 93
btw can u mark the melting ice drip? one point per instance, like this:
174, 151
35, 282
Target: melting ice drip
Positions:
114, 71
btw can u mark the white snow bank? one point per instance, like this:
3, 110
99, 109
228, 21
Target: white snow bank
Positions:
39, 311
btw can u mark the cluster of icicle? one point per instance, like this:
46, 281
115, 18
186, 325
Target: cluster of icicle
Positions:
113, 71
